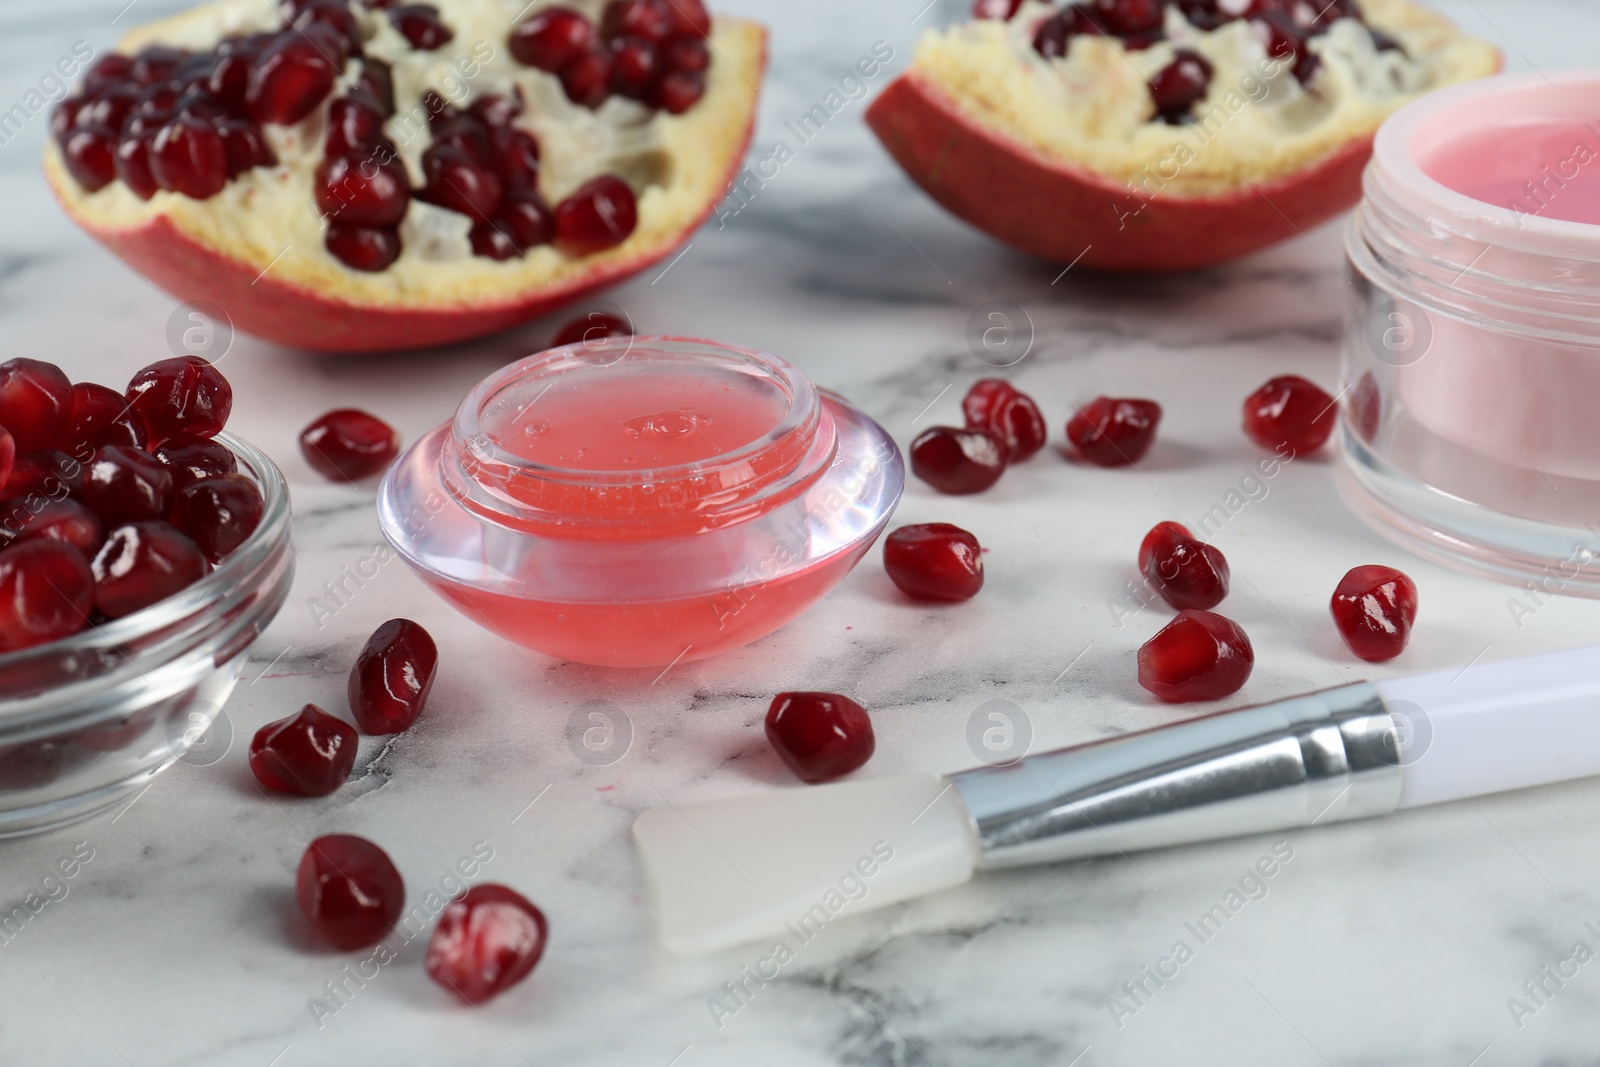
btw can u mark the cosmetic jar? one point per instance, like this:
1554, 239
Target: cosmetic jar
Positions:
1470, 416
88, 720
641, 501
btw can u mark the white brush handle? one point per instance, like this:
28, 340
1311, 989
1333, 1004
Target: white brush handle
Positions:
1498, 726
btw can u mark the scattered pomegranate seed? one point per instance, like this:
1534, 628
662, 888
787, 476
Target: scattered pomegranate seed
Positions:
309, 754
593, 327
493, 240
185, 395
958, 461
1197, 656
1188, 573
551, 38
457, 182
819, 735
1179, 85
34, 400
1374, 607
1289, 412
487, 940
1111, 432
587, 79
122, 484
90, 155
192, 458
993, 404
678, 91
67, 521
392, 677
367, 248
288, 80
46, 592
934, 561
995, 9
599, 214
219, 513
420, 24
348, 444
355, 127
526, 219
360, 191
98, 415
141, 564
349, 889
516, 160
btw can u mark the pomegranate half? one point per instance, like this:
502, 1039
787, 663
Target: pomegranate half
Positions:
1147, 135
356, 175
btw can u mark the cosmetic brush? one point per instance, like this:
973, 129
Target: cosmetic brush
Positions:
732, 870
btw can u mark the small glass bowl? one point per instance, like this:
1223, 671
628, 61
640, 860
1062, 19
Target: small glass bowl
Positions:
87, 720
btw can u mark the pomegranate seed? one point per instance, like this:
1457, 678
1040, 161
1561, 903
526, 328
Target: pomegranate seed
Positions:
1374, 607
1197, 656
392, 677
992, 404
679, 91
995, 9
1179, 85
348, 444
228, 82
187, 157
366, 248
1287, 412
133, 162
1126, 17
1366, 407
458, 183
819, 735
551, 38
526, 219
593, 327
1054, 35
649, 19
64, 116
587, 79
90, 155
1112, 432
688, 53
141, 564
31, 766
44, 472
1188, 573
377, 81
486, 941
157, 103
199, 104
46, 592
516, 160
354, 127
109, 108
689, 19
468, 133
219, 513
599, 214
288, 80
363, 192
420, 24
156, 63
8, 455
332, 44
122, 484
934, 561
496, 110
66, 521
34, 402
1286, 41
349, 889
193, 458
336, 17
185, 395
1202, 14
493, 240
108, 69
958, 461
245, 146
309, 754
635, 67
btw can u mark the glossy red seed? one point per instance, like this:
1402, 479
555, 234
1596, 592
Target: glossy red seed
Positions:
994, 405
526, 219
593, 327
228, 81
368, 248
516, 160
819, 735
355, 126
184, 395
46, 592
1111, 432
34, 399
468, 133
421, 25
187, 156
377, 80
995, 9
1178, 86
458, 183
360, 191
350, 890
288, 80
156, 62
551, 38
1128, 17
635, 66
192, 458
1287, 41
587, 79
44, 472
689, 18
219, 513
1288, 412
1197, 656
245, 146
678, 91
67, 521
688, 54
1053, 37
486, 941
392, 677
8, 455
493, 240
133, 162
348, 445
1203, 14
110, 107
309, 754
1188, 573
649, 19
934, 561
958, 461
496, 110
142, 564
599, 214
90, 155
200, 104
336, 16
64, 116
108, 69
1374, 607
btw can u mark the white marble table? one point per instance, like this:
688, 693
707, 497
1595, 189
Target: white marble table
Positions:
1397, 942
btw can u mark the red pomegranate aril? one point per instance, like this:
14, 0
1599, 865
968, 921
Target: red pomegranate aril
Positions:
1286, 41
107, 70
348, 444
8, 455
34, 402
1111, 432
98, 415
679, 90
526, 220
392, 677
1187, 572
360, 191
1054, 35
468, 133
336, 17
1128, 17
1197, 656
377, 80
288, 80
44, 472
438, 108
349, 889
332, 44
1203, 14
122, 484
459, 184
496, 110
689, 18
687, 53
354, 126
110, 107
197, 103
183, 395
187, 157
90, 155
819, 735
158, 102
1374, 607
420, 24
228, 82
155, 63
995, 9
1179, 85
218, 513
493, 240
516, 159
245, 146
193, 458
650, 19
599, 214
934, 561
958, 461
46, 593
994, 405
309, 754
142, 564
368, 248
133, 163
1288, 412
551, 38
587, 79
66, 521
593, 327
64, 116
486, 941
635, 66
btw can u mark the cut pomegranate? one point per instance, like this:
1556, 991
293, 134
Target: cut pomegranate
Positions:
958, 461
551, 38
34, 402
219, 513
141, 564
934, 561
420, 24
192, 458
46, 592
186, 395
1188, 573
309, 754
599, 214
349, 889
122, 484
1374, 607
364, 248
1289, 412
392, 677
487, 940
1197, 656
98, 415
1180, 85
347, 444
288, 80
992, 404
594, 327
1110, 432
819, 735
66, 521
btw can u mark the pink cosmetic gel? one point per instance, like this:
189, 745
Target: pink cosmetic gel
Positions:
1469, 421
640, 501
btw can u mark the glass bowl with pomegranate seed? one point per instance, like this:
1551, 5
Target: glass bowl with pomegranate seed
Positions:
133, 580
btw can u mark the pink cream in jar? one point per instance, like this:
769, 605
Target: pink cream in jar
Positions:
1470, 423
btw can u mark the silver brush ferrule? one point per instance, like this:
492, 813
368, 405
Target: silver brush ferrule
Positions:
1325, 757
